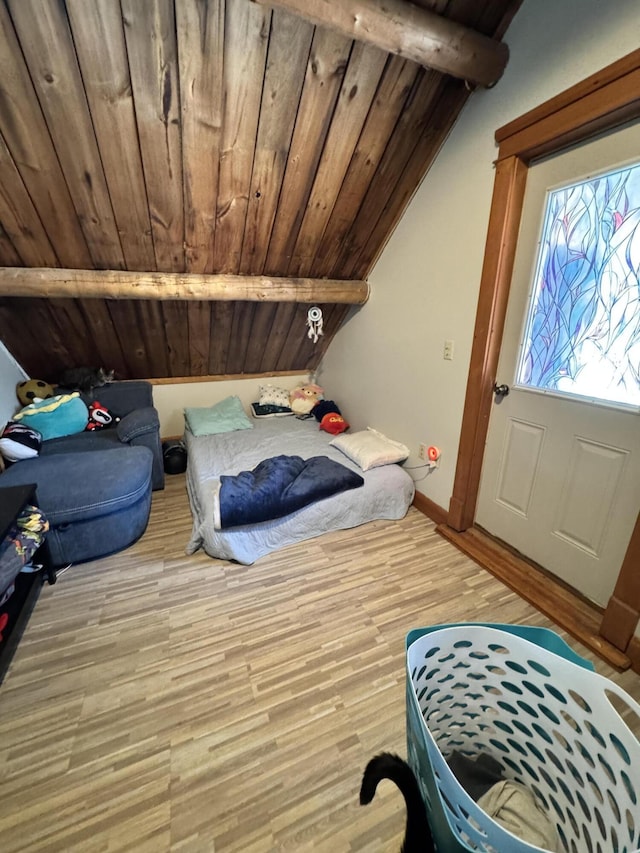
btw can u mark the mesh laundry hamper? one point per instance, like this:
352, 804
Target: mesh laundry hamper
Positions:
522, 696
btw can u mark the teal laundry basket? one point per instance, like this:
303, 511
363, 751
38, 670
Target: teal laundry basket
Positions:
521, 695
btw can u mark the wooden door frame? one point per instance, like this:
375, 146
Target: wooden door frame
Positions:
603, 101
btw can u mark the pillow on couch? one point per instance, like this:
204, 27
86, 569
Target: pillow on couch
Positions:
225, 416
370, 448
64, 414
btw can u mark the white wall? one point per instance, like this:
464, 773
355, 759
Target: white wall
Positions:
10, 374
170, 400
385, 366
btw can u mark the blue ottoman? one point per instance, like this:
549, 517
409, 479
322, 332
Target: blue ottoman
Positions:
97, 502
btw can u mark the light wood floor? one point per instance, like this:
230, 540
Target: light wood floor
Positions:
159, 702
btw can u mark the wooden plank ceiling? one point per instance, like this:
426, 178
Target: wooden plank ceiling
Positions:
204, 137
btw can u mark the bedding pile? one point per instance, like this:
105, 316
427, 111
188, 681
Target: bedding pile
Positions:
386, 492
279, 486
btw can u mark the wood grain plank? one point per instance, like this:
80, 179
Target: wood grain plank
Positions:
295, 341
323, 79
8, 254
443, 116
245, 51
272, 346
199, 327
200, 34
396, 84
47, 44
413, 122
102, 56
221, 321
68, 318
359, 86
27, 138
19, 217
153, 330
150, 35
19, 337
127, 324
241, 330
287, 58
176, 332
99, 326
261, 330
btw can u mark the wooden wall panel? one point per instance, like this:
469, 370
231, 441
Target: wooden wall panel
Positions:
200, 33
453, 98
221, 322
324, 75
287, 58
245, 56
261, 331
45, 39
98, 38
176, 333
19, 217
396, 84
27, 137
8, 255
199, 326
412, 123
359, 86
100, 327
284, 314
150, 34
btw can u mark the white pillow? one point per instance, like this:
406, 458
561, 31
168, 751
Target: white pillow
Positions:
270, 395
370, 448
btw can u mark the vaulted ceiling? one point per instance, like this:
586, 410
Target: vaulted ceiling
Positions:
241, 160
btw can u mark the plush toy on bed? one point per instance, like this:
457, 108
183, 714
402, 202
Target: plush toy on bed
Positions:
329, 417
303, 399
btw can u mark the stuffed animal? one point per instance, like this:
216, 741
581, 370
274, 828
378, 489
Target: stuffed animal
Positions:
329, 417
100, 417
32, 390
303, 399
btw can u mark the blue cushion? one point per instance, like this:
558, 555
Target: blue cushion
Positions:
64, 414
225, 416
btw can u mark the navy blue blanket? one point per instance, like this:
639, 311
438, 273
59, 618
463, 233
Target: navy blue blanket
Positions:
279, 486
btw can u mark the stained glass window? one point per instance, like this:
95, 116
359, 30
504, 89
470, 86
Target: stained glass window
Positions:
582, 335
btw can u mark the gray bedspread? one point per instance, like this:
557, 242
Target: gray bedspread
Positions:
387, 491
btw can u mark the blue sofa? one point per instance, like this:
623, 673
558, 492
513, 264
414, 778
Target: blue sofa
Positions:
95, 487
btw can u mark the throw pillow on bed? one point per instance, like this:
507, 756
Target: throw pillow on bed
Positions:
270, 395
370, 448
225, 416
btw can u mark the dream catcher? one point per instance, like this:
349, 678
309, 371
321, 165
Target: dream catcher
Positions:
314, 322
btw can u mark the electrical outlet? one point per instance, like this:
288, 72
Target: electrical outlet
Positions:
447, 352
423, 452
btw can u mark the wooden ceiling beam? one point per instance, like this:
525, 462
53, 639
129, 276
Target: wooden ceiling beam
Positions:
401, 28
48, 283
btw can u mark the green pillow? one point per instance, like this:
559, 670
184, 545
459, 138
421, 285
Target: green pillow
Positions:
225, 416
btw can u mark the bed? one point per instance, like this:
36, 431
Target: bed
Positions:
386, 493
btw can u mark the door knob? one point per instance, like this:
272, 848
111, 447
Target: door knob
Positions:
500, 390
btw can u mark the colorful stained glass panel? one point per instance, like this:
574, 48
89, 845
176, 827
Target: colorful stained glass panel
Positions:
582, 335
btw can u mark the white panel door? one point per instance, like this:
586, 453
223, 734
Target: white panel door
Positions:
561, 476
